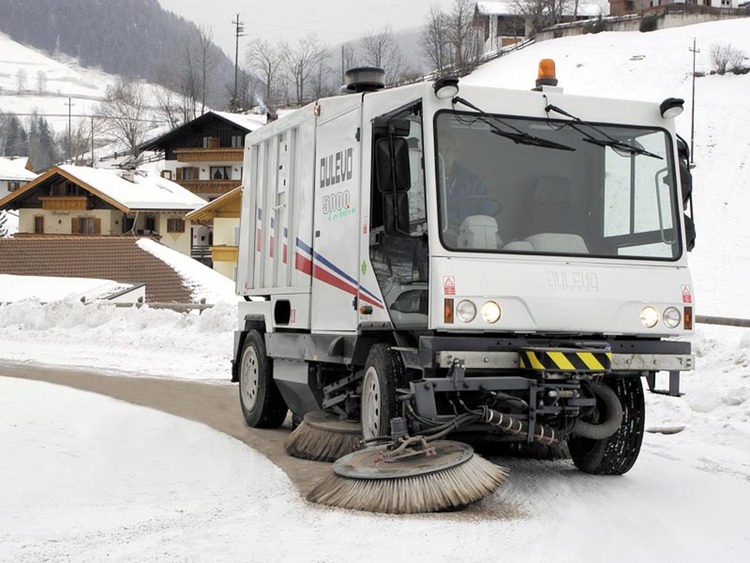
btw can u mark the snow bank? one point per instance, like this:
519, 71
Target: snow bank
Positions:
145, 341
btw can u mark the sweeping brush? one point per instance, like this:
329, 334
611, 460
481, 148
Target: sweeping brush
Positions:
324, 437
449, 479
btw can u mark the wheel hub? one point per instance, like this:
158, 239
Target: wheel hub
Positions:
249, 378
372, 463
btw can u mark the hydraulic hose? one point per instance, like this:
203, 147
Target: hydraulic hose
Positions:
506, 423
613, 409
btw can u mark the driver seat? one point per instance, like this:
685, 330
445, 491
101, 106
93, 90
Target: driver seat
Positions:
479, 232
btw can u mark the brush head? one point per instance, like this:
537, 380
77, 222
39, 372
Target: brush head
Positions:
451, 479
324, 437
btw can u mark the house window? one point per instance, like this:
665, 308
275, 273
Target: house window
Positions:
221, 172
166, 174
211, 143
188, 173
175, 226
39, 224
127, 224
85, 226
150, 224
13, 186
238, 141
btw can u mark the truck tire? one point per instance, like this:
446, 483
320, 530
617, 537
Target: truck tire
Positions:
260, 400
617, 454
383, 373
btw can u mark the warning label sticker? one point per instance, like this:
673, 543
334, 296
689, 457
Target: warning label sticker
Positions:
687, 297
449, 285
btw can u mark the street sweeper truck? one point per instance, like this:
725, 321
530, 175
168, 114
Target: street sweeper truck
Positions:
452, 260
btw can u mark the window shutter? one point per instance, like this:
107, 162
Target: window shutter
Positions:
97, 226
75, 227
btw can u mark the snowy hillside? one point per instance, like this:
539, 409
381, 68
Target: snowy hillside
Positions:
30, 80
46, 83
654, 66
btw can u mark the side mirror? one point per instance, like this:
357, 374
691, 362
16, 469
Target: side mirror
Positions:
689, 233
392, 170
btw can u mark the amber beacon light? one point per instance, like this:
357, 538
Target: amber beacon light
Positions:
546, 75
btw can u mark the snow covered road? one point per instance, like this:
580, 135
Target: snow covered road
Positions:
87, 478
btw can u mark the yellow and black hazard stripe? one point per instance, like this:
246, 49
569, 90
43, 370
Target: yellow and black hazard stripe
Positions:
565, 359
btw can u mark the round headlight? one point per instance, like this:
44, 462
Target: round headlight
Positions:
491, 312
649, 316
466, 311
672, 317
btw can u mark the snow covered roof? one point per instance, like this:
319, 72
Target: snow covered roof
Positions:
147, 191
514, 9
14, 170
247, 121
229, 204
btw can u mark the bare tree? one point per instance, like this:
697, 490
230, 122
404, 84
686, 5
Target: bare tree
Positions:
247, 85
349, 58
189, 79
451, 40
433, 39
724, 57
300, 61
266, 59
124, 110
464, 37
208, 58
379, 49
544, 13
41, 81
22, 80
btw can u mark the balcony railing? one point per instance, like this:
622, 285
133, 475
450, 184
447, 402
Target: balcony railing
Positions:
64, 203
223, 154
209, 186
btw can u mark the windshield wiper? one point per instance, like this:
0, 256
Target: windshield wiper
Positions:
516, 135
620, 146
607, 141
523, 138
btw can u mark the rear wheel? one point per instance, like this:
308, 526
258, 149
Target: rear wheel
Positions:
617, 454
260, 400
383, 373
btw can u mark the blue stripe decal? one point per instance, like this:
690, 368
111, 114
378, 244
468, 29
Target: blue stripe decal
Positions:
337, 270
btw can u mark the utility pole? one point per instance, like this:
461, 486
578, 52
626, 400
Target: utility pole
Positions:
239, 27
692, 106
70, 105
92, 142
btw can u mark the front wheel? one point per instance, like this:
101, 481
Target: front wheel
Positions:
616, 454
260, 400
383, 373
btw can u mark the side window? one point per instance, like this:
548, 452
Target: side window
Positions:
417, 209
638, 199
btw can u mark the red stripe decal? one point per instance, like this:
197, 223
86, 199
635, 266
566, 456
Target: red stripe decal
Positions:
258, 243
330, 279
285, 253
370, 300
303, 264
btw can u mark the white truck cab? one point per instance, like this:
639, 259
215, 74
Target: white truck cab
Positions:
436, 249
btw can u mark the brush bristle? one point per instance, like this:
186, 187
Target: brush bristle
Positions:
315, 444
449, 489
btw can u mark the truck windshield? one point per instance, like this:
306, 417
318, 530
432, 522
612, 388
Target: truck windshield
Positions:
607, 191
